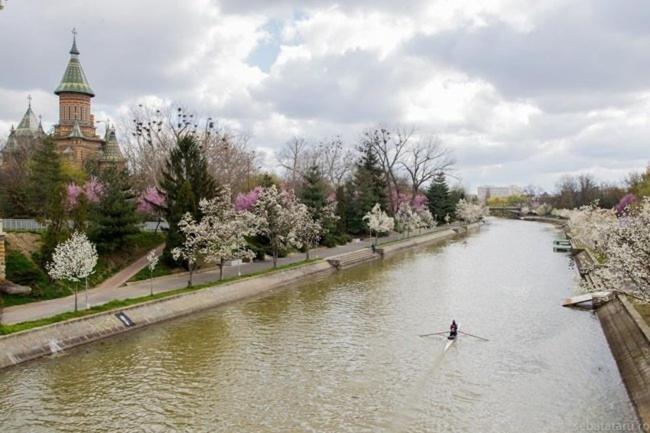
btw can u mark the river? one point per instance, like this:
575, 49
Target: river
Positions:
343, 354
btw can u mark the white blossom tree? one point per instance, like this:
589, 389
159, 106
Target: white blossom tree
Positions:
470, 212
407, 220
152, 262
426, 219
193, 247
378, 221
308, 230
625, 250
226, 230
74, 260
276, 213
591, 225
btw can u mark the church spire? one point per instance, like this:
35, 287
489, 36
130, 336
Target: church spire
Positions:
74, 79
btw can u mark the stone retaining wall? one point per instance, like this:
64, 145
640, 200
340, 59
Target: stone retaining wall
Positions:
629, 340
34, 343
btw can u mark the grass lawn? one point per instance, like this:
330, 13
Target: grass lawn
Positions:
25, 271
10, 329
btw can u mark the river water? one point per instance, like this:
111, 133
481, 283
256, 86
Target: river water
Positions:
343, 354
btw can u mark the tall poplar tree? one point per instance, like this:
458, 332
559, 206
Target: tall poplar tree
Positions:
185, 181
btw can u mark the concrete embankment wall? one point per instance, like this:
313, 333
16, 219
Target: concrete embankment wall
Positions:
628, 336
629, 340
34, 343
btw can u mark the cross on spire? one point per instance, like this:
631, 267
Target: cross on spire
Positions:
29, 101
74, 49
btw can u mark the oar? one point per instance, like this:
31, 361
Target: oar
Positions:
475, 336
434, 333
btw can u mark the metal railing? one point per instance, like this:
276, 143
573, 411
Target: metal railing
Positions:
31, 225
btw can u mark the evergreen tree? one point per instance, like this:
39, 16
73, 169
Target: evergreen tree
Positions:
45, 179
45, 196
185, 181
440, 202
115, 219
314, 191
367, 188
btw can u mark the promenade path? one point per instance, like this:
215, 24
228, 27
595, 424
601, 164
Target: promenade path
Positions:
105, 292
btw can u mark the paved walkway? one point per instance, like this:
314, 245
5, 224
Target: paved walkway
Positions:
127, 273
106, 292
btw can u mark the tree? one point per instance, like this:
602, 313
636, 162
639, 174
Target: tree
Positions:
152, 262
293, 158
470, 212
367, 188
193, 247
639, 183
225, 230
45, 181
624, 247
277, 212
378, 221
440, 200
115, 219
424, 160
389, 147
407, 220
335, 161
314, 190
73, 260
308, 229
185, 181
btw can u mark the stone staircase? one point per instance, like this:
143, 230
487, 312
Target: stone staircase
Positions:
346, 260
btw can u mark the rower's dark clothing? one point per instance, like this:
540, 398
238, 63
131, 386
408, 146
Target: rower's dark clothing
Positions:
453, 329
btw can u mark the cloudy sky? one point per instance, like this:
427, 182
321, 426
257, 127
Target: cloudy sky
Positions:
522, 91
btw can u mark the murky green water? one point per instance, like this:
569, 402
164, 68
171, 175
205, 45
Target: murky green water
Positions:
343, 355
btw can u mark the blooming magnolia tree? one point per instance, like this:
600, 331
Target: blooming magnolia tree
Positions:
427, 220
73, 260
625, 246
193, 247
543, 209
378, 221
226, 230
277, 213
308, 230
470, 212
591, 225
407, 220
152, 262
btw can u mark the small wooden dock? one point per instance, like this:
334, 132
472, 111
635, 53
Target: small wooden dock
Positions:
588, 301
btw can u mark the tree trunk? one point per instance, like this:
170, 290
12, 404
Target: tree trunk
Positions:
75, 298
189, 282
307, 253
150, 282
221, 269
86, 293
275, 258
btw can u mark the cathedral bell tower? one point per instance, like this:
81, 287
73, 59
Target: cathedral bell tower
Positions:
75, 133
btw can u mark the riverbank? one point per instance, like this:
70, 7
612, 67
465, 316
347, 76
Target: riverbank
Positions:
628, 337
46, 340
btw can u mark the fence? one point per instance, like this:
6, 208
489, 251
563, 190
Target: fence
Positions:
31, 225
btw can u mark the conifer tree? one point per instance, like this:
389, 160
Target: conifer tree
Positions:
115, 219
314, 191
367, 188
45, 195
440, 202
185, 181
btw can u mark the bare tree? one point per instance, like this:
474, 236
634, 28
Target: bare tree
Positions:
423, 159
336, 162
390, 147
153, 132
294, 158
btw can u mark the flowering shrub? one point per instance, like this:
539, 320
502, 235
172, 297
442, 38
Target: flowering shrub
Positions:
470, 212
245, 201
150, 201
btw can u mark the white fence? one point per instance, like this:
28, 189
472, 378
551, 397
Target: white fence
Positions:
31, 225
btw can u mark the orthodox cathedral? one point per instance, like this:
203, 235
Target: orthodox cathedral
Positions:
75, 135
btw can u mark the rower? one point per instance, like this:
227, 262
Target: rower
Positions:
453, 330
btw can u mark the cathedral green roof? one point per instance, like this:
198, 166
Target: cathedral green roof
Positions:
74, 79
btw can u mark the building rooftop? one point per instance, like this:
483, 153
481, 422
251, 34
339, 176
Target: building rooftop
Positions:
74, 79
